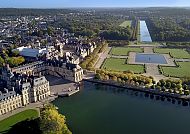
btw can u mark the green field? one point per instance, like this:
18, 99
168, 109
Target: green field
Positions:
176, 53
126, 23
124, 50
182, 71
10, 121
120, 65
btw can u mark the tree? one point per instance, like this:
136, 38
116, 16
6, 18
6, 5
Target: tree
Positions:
168, 85
119, 80
50, 30
158, 87
1, 61
153, 86
114, 78
173, 85
163, 83
137, 84
15, 61
154, 82
159, 84
106, 77
15, 53
51, 122
185, 87
97, 76
170, 90
186, 92
181, 92
163, 89
179, 86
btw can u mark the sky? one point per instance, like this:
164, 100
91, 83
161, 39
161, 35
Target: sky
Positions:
91, 3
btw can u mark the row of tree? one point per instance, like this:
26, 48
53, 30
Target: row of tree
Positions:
178, 44
168, 85
135, 29
172, 86
90, 60
124, 77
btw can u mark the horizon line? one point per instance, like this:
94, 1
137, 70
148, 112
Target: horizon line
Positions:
93, 7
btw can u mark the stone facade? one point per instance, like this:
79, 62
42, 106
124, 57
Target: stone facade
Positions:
9, 101
21, 89
69, 71
27, 84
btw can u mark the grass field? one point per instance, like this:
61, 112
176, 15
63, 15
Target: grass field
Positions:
10, 121
176, 53
120, 65
126, 23
181, 71
124, 50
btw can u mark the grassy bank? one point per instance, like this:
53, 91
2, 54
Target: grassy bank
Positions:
12, 120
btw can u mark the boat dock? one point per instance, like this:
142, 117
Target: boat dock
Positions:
67, 93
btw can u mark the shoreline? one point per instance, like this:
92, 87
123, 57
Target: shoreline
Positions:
184, 98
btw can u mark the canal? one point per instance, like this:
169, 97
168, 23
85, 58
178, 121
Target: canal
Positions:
144, 33
99, 109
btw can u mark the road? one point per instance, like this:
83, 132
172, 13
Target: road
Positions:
102, 57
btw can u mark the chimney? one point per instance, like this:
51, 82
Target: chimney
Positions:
40, 74
6, 90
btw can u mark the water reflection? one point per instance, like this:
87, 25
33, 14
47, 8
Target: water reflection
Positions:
137, 94
144, 33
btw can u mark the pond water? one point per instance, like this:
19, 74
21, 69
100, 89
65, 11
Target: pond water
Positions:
99, 109
150, 58
144, 33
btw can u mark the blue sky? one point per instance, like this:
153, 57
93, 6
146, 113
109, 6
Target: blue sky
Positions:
91, 3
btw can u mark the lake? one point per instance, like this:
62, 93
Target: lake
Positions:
144, 33
150, 58
99, 109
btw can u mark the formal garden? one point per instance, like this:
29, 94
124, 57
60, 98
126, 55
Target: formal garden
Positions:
181, 70
175, 53
121, 65
124, 51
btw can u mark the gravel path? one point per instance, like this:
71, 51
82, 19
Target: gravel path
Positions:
102, 57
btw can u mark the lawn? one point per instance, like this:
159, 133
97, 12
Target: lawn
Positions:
176, 53
10, 121
126, 23
181, 71
124, 50
120, 65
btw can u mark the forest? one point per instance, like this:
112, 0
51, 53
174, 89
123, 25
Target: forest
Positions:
164, 24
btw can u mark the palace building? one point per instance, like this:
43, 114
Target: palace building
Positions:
27, 84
